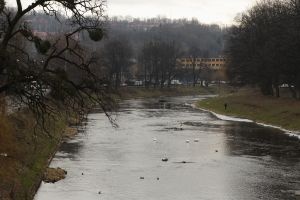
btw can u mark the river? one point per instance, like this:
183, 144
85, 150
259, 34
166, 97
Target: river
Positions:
208, 158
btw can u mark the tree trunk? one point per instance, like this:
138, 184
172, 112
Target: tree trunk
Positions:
293, 91
169, 80
277, 91
117, 81
266, 88
162, 81
2, 104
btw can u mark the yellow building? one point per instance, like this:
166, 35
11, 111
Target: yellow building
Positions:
212, 63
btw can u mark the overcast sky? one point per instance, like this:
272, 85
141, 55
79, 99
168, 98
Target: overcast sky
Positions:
206, 11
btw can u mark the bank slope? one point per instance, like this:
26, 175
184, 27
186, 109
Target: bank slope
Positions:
281, 112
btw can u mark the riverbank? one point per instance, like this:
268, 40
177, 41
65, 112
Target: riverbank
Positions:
250, 104
250, 158
141, 92
26, 153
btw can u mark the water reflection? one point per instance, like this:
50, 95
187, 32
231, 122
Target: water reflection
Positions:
254, 140
221, 160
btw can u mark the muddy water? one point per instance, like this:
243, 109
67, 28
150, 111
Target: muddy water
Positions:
230, 161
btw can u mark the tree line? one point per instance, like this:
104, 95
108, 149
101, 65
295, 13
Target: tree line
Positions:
125, 39
158, 61
263, 49
186, 33
157, 44
158, 64
50, 61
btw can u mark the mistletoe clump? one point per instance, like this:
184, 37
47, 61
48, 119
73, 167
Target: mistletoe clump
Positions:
96, 34
2, 5
42, 46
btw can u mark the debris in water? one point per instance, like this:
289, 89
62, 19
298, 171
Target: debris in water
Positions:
178, 129
165, 159
183, 162
142, 177
157, 178
187, 141
162, 101
99, 192
196, 140
217, 151
3, 154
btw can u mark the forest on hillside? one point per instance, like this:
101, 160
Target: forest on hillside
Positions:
209, 38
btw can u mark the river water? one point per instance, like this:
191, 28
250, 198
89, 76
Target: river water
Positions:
223, 160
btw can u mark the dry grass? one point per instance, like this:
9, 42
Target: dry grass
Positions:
27, 152
283, 112
140, 92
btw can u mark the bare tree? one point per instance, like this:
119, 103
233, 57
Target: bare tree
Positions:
262, 49
194, 54
159, 61
117, 59
34, 73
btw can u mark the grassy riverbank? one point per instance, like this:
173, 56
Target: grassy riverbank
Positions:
140, 92
250, 104
28, 151
25, 154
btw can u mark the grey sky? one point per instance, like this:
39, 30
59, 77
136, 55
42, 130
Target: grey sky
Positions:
207, 11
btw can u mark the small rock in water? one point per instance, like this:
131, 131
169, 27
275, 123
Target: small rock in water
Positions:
154, 139
82, 173
217, 151
187, 141
142, 177
164, 159
157, 178
99, 192
53, 175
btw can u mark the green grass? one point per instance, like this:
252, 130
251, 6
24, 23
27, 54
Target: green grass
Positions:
283, 112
